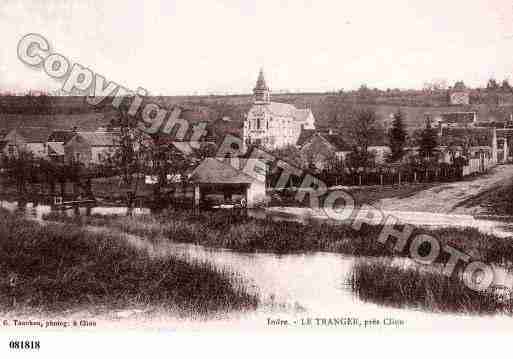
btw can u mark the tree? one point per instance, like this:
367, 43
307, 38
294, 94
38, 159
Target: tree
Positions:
20, 170
362, 130
428, 141
397, 137
492, 84
505, 85
130, 158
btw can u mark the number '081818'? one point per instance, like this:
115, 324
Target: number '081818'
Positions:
24, 344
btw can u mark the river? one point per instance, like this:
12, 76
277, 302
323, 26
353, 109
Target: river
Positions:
293, 287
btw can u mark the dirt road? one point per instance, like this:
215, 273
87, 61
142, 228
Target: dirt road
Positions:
451, 197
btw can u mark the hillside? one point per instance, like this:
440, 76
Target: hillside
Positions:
330, 110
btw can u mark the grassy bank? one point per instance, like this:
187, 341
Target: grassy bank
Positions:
63, 267
498, 200
229, 230
382, 283
361, 195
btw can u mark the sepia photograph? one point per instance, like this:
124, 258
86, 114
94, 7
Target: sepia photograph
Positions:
289, 167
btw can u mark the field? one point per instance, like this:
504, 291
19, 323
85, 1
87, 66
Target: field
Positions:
56, 268
330, 109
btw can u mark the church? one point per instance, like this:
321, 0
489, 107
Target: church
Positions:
273, 124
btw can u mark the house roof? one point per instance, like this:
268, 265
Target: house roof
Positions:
56, 148
34, 134
304, 136
334, 140
224, 171
61, 136
99, 139
222, 127
185, 147
459, 86
504, 132
337, 142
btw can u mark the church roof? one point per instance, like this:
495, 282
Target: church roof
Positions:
302, 114
286, 110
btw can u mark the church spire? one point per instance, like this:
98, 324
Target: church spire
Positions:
261, 90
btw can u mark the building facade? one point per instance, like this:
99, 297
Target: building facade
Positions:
459, 94
26, 139
273, 124
90, 148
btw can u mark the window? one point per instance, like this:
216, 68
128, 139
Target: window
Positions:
11, 150
258, 123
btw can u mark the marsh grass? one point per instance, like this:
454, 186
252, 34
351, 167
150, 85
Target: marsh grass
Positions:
382, 283
240, 233
57, 267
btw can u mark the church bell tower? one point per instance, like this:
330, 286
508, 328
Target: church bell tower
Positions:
261, 90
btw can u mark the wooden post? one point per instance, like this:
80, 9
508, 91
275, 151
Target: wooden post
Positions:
360, 180
399, 178
381, 179
197, 196
415, 176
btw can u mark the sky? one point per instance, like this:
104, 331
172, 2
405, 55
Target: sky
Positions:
175, 47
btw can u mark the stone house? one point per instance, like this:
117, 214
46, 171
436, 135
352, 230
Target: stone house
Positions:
26, 139
90, 148
319, 148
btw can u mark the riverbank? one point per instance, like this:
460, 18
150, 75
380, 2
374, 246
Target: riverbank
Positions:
57, 268
229, 230
426, 289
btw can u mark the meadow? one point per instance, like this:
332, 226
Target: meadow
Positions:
62, 267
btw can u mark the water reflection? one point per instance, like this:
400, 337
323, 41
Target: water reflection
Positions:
35, 210
316, 282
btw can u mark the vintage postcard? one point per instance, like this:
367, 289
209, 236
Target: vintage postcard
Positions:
255, 166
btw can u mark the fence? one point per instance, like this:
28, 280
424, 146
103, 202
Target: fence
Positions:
440, 174
477, 165
397, 176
